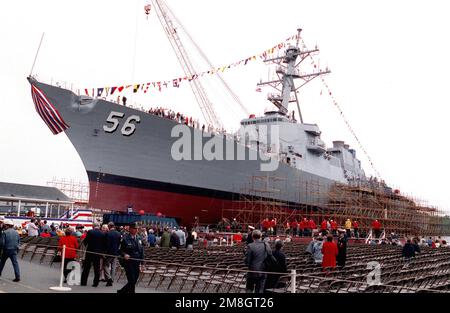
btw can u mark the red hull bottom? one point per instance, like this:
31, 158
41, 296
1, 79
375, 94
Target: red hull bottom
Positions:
181, 206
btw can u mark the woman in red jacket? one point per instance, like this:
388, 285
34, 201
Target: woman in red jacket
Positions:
71, 243
330, 252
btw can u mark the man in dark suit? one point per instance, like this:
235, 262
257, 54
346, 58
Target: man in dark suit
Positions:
256, 253
281, 267
95, 243
408, 251
113, 238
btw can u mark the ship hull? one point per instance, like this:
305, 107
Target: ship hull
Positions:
139, 170
183, 206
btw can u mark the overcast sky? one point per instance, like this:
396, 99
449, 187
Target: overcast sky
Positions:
389, 62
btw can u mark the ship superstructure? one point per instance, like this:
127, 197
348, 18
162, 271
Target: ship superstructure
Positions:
299, 144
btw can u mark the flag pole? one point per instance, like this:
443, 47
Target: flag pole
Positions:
60, 287
37, 52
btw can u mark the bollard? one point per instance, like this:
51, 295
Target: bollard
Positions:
60, 287
293, 280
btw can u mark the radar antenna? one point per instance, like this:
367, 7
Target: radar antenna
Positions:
287, 71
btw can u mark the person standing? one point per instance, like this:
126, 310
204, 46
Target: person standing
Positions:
256, 253
301, 227
181, 236
95, 245
415, 243
273, 226
234, 225
45, 226
334, 227
310, 247
312, 226
376, 226
323, 227
165, 239
151, 238
287, 228
190, 241
113, 238
348, 227
71, 243
174, 240
317, 250
265, 225
294, 227
10, 242
77, 232
132, 251
330, 252
249, 238
355, 228
342, 249
281, 266
409, 251
32, 228
306, 228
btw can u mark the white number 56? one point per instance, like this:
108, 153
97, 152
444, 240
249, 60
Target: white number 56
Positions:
128, 127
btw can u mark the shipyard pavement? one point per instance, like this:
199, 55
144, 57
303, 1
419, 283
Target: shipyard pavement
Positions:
36, 278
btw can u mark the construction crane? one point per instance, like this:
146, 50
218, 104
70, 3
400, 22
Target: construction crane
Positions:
167, 18
206, 59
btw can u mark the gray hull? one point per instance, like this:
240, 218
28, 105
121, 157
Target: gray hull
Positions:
139, 170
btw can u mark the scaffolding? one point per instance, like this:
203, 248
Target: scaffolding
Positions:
257, 200
262, 197
75, 190
398, 213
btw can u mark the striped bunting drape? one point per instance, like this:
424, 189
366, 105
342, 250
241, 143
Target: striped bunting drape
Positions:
47, 111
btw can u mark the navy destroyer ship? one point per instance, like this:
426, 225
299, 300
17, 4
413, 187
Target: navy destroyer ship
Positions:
133, 158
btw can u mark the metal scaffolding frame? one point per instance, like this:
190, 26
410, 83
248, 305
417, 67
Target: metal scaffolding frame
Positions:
75, 190
364, 202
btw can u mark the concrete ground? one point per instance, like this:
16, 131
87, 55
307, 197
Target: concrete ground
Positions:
37, 278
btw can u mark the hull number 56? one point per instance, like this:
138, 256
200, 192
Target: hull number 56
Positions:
128, 127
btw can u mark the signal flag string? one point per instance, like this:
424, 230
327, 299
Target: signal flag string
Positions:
336, 104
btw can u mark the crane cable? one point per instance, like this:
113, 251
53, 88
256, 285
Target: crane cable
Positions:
205, 58
336, 104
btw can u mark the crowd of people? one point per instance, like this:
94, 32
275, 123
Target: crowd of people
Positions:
37, 227
107, 245
305, 227
104, 246
184, 119
327, 248
324, 251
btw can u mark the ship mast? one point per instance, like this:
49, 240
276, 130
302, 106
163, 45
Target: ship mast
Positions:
166, 17
287, 71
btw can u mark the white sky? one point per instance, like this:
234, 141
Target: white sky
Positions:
389, 62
